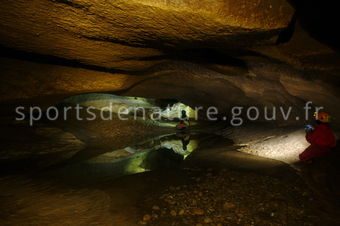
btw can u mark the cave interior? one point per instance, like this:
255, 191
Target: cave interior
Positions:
178, 112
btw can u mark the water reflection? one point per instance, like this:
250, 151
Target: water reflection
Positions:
167, 151
166, 109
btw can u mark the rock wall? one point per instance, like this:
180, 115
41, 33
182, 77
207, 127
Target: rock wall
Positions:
209, 53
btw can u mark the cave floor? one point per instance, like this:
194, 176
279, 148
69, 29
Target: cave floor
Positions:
215, 185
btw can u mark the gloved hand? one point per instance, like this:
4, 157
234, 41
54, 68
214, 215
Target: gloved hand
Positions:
309, 128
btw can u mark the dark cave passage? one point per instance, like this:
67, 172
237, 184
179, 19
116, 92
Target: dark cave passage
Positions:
154, 112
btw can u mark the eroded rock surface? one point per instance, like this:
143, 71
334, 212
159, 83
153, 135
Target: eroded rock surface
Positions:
111, 34
203, 53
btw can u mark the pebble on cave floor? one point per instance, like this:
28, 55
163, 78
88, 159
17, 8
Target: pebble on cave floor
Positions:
231, 198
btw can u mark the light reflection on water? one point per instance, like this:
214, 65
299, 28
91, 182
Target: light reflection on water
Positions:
167, 151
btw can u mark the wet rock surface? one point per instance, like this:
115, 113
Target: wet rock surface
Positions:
233, 198
47, 143
211, 194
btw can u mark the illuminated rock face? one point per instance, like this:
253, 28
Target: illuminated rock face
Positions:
139, 48
31, 80
111, 33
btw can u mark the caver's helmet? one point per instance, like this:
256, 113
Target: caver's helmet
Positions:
322, 116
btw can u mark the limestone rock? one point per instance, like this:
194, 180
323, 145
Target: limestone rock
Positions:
114, 34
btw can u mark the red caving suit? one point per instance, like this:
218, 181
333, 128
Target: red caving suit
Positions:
322, 140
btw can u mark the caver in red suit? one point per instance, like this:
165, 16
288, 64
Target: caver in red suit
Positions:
321, 139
